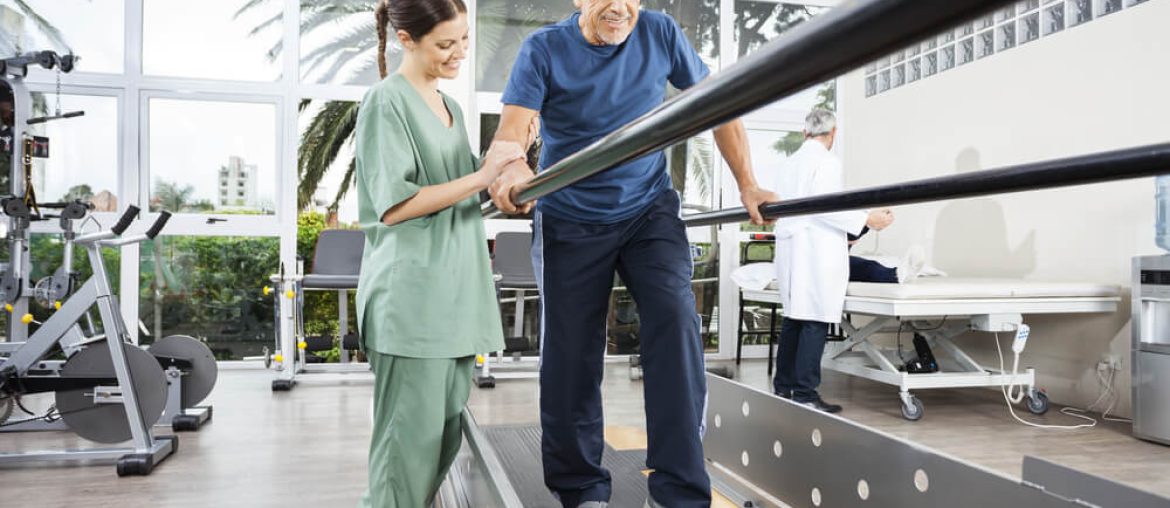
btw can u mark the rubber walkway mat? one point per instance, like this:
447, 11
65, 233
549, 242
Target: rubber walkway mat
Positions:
519, 450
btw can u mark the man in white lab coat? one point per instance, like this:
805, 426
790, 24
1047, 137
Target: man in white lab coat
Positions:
812, 261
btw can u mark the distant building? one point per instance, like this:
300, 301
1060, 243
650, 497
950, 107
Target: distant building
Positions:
105, 201
237, 184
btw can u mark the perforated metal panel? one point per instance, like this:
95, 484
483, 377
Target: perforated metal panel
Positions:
805, 458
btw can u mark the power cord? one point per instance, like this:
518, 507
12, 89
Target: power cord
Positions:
1109, 394
1011, 397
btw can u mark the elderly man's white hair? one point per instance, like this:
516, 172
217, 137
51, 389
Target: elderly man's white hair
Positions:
819, 122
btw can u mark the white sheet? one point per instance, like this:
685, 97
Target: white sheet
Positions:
967, 289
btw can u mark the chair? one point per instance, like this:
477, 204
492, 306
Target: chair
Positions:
337, 262
512, 267
513, 271
748, 254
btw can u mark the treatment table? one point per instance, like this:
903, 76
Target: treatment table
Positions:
941, 309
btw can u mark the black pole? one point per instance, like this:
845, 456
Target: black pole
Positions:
1086, 169
844, 38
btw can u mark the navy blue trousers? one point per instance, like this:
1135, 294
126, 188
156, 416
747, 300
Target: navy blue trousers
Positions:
868, 270
798, 358
575, 265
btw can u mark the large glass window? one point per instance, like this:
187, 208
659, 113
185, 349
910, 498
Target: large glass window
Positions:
501, 25
339, 43
83, 151
212, 39
699, 20
759, 21
209, 288
692, 167
212, 156
92, 30
769, 150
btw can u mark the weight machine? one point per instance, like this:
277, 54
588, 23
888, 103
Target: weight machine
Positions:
106, 389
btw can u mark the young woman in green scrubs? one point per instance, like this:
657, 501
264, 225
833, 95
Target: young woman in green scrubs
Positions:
426, 302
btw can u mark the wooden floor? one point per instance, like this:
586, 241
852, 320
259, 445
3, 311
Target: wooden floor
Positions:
308, 447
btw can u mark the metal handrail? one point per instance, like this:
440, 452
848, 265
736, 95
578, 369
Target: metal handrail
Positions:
844, 38
1123, 164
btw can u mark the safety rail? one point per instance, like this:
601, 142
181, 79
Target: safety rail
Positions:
844, 38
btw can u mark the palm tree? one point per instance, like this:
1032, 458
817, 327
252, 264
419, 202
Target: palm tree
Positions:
358, 41
752, 18
170, 196
328, 132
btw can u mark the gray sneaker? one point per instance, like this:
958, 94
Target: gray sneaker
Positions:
593, 504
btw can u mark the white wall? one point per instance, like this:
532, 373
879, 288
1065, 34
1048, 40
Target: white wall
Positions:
1095, 87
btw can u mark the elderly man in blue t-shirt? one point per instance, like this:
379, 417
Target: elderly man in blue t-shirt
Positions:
586, 76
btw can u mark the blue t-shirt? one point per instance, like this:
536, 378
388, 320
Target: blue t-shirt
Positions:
584, 92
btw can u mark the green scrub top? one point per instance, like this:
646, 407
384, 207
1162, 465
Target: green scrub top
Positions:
425, 289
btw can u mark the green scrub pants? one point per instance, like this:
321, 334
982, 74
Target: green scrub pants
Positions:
418, 404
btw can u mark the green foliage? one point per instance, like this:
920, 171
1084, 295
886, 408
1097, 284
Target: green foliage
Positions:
209, 288
309, 227
83, 192
827, 96
48, 254
331, 128
826, 99
333, 355
789, 144
174, 198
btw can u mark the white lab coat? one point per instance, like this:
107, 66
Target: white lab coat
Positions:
812, 252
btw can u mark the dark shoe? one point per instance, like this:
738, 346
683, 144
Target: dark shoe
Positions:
820, 405
783, 394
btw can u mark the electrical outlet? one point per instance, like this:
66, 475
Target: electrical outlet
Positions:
1109, 362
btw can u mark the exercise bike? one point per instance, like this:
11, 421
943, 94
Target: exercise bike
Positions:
108, 390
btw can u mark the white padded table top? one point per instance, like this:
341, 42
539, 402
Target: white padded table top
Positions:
932, 288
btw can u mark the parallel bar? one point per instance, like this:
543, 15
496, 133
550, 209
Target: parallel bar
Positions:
848, 36
1124, 164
